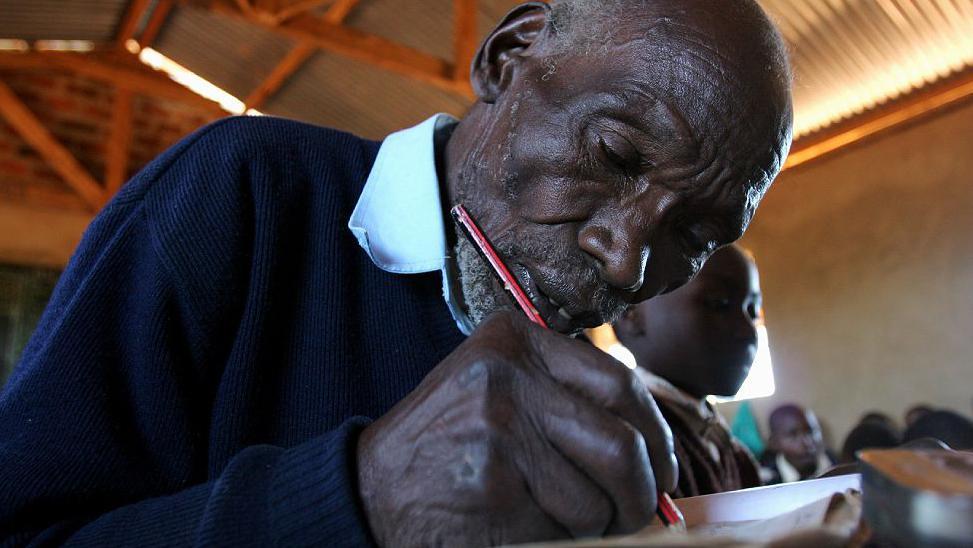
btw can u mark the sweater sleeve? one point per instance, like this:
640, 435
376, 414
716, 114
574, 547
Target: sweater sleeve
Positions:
104, 422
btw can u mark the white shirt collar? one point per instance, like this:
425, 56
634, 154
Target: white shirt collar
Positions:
790, 474
398, 219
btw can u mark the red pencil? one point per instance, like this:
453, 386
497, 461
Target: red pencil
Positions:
666, 510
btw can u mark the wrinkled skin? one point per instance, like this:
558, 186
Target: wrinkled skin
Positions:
603, 179
520, 434
702, 337
606, 179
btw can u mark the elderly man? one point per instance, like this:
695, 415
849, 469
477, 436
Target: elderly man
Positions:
694, 342
223, 362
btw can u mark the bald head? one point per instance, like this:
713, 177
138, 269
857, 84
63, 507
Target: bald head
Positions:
682, 36
583, 25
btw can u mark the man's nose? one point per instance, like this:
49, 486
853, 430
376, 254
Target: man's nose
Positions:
620, 253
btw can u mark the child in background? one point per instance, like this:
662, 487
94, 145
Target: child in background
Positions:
697, 341
795, 446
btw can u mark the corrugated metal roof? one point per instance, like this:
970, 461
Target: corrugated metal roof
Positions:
95, 20
358, 98
851, 55
425, 25
230, 53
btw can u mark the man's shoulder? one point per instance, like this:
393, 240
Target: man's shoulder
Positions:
244, 145
270, 135
239, 155
245, 170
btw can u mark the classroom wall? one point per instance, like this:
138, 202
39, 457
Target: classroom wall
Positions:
866, 261
24, 293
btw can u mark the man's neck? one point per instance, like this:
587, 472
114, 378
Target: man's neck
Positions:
462, 150
441, 138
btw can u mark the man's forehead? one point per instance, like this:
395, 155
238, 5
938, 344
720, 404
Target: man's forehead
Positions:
724, 91
704, 106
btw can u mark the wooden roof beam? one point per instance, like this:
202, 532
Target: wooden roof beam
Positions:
361, 46
130, 21
140, 80
119, 137
154, 25
916, 104
296, 57
464, 38
339, 11
24, 122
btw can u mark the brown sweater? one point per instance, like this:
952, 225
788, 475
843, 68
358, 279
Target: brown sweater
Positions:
710, 459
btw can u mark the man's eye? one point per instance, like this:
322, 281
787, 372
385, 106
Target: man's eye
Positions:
626, 159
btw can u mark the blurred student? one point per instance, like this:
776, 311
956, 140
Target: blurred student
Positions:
873, 431
916, 412
795, 447
951, 428
880, 417
693, 342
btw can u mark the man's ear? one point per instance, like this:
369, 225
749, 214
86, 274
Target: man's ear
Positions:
493, 67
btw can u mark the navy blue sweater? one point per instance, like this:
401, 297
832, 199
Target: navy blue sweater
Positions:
212, 351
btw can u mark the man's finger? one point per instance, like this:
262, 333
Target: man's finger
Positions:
563, 491
606, 382
606, 448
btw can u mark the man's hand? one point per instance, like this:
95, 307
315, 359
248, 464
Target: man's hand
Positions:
521, 434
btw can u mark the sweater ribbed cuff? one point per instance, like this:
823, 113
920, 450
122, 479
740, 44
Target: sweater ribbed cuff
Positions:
314, 499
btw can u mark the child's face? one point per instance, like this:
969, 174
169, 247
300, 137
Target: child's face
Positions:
703, 337
798, 437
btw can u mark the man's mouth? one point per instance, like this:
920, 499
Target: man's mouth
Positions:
558, 314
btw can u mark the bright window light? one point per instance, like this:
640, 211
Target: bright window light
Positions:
620, 353
758, 384
64, 45
194, 82
760, 380
11, 44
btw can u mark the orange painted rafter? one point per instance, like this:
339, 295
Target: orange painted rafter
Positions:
358, 45
294, 59
464, 38
116, 162
136, 78
339, 11
913, 105
154, 25
133, 14
25, 123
